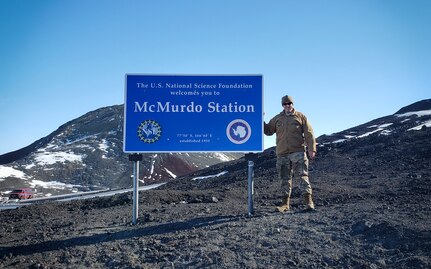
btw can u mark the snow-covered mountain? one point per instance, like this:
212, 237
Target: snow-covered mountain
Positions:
410, 118
86, 154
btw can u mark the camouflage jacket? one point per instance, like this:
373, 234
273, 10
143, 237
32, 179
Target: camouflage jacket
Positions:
293, 132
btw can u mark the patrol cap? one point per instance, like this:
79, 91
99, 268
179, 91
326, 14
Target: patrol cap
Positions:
286, 99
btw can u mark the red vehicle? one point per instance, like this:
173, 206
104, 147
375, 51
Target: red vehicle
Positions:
22, 193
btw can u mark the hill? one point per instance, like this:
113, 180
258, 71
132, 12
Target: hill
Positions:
372, 194
86, 154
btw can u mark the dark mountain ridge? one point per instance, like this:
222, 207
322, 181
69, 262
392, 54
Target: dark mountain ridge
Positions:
416, 115
417, 106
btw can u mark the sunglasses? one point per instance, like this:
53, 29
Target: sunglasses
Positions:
287, 104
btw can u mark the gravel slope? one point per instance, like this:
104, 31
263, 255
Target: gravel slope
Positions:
373, 199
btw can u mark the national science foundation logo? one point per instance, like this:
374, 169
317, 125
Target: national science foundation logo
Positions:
149, 131
238, 131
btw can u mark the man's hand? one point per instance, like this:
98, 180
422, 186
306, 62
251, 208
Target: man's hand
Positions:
311, 154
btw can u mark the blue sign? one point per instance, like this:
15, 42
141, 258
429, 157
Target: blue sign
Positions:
193, 113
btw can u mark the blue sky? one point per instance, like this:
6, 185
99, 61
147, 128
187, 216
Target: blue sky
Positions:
345, 62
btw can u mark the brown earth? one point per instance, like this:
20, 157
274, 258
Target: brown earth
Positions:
373, 199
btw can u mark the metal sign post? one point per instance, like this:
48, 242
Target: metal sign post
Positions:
250, 157
250, 188
135, 158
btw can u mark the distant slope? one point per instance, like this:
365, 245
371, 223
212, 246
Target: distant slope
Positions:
86, 153
411, 117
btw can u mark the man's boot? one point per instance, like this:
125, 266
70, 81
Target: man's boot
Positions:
308, 200
285, 205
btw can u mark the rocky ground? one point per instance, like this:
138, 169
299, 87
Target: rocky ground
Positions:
373, 198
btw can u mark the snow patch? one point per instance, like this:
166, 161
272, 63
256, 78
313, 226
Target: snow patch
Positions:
385, 125
153, 161
339, 141
6, 171
170, 173
367, 134
30, 166
380, 128
386, 132
211, 176
104, 147
222, 157
45, 158
70, 142
418, 113
426, 124
51, 185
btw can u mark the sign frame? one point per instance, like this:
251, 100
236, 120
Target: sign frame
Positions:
237, 109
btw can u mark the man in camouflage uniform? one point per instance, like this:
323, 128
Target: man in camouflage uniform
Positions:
294, 135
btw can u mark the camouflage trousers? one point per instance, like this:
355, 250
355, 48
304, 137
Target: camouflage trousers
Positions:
294, 165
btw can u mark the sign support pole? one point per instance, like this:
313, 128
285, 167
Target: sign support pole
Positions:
135, 158
135, 191
250, 188
250, 157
